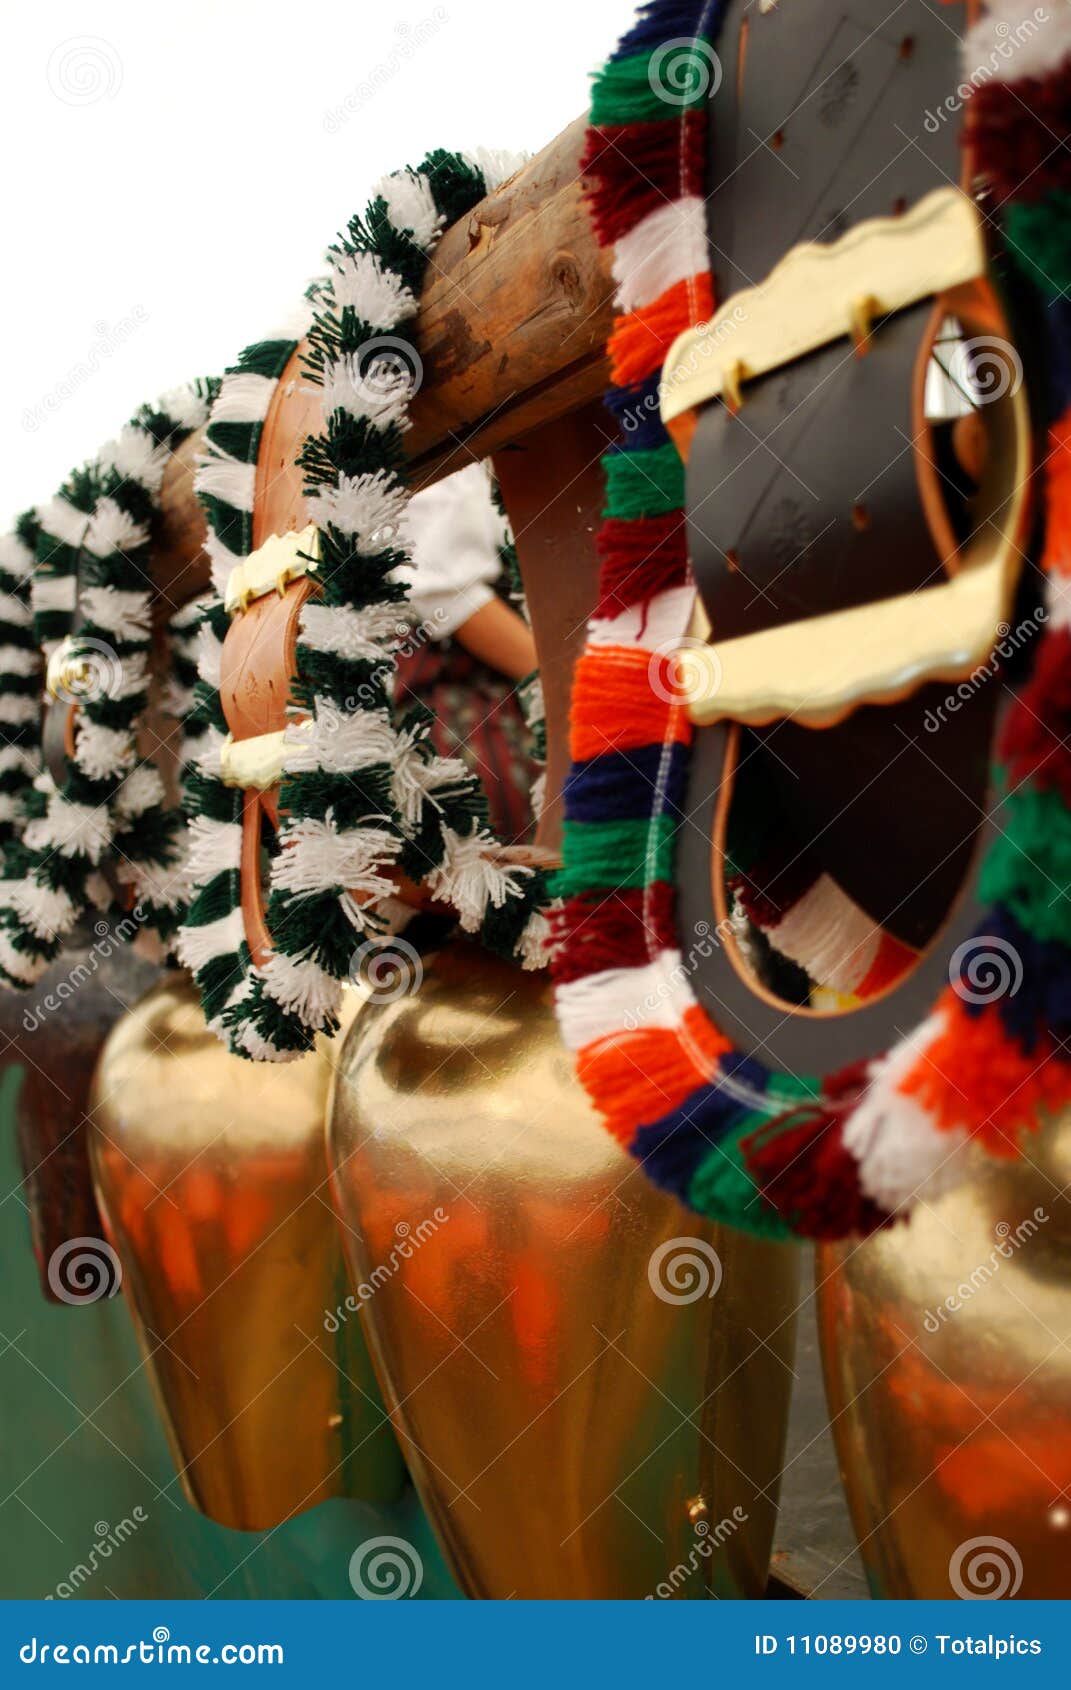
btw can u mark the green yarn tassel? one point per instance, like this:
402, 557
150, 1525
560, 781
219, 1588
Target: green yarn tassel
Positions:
1039, 238
1028, 868
644, 483
723, 1189
652, 87
616, 854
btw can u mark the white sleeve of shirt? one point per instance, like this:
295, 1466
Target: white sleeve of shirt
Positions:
453, 533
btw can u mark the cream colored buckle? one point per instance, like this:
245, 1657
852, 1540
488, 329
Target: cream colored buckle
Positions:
271, 568
256, 764
816, 671
818, 294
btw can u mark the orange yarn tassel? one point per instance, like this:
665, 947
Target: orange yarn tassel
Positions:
615, 706
973, 1076
640, 1076
640, 340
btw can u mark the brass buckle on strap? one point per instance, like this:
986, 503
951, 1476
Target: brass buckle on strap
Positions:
256, 764
271, 568
821, 293
817, 670
69, 671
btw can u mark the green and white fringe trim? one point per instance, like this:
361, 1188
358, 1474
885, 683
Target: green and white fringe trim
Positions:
21, 678
92, 580
362, 794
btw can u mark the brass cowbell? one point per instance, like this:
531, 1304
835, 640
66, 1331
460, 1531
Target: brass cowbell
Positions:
211, 1178
589, 1383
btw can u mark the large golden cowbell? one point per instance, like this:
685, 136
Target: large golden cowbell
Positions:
211, 1178
590, 1384
947, 1354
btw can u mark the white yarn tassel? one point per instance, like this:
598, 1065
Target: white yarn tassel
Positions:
902, 1154
471, 876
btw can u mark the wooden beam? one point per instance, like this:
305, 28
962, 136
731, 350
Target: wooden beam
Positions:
512, 329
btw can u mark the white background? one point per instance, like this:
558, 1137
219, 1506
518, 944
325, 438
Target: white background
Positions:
173, 169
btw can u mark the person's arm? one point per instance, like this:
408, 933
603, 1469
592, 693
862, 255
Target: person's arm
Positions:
454, 535
499, 637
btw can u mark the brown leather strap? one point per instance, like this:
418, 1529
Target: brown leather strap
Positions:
824, 492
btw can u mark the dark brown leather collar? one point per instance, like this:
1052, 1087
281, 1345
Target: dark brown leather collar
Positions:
811, 499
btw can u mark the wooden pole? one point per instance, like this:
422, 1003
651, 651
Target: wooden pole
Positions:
513, 323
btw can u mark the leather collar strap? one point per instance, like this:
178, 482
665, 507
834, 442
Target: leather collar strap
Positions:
805, 506
694, 1097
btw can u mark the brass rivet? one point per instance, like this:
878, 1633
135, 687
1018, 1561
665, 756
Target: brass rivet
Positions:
696, 1509
863, 313
731, 381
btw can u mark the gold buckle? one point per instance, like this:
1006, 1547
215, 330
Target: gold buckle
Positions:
818, 670
68, 670
256, 764
821, 293
272, 567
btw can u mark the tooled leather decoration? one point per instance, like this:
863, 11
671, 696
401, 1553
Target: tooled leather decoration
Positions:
820, 496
